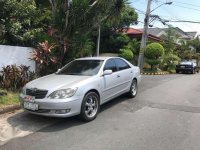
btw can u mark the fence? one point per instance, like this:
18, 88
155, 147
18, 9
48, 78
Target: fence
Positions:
16, 55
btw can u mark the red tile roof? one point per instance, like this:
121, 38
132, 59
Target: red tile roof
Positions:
132, 31
136, 32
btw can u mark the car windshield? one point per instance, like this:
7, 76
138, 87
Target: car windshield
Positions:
186, 63
82, 67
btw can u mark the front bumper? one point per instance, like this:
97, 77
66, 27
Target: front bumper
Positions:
184, 69
71, 107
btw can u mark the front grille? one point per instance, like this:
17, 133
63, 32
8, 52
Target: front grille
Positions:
40, 111
39, 94
188, 66
184, 66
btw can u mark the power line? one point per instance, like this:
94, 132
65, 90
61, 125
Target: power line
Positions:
187, 7
151, 25
140, 11
177, 18
182, 21
182, 3
186, 4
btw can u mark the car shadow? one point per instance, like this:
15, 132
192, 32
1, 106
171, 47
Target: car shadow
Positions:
25, 121
65, 123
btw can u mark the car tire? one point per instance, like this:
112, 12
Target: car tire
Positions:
133, 89
90, 106
193, 71
177, 71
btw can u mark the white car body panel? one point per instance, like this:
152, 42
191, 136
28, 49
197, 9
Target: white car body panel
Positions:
108, 87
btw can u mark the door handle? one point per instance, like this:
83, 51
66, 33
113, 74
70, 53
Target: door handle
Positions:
118, 76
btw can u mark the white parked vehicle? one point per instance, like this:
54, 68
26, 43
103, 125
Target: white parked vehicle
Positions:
80, 87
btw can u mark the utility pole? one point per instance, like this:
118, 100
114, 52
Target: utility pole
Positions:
98, 40
144, 36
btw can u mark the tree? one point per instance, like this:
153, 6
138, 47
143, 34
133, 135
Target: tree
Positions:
153, 54
170, 61
81, 46
112, 35
127, 17
172, 49
20, 22
80, 17
195, 44
170, 40
112, 43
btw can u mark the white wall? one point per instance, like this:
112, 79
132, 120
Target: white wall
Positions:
16, 55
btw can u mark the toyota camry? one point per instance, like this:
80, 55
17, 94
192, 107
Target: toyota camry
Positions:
80, 87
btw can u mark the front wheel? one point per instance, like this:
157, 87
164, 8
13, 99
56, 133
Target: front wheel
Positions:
133, 89
90, 107
193, 71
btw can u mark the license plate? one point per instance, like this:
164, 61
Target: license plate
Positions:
182, 66
30, 106
29, 98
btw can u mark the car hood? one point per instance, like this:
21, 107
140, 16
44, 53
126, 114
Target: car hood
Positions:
54, 81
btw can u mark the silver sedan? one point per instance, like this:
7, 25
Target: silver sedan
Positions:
80, 87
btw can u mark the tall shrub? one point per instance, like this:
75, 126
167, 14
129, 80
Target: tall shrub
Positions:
153, 54
126, 54
170, 61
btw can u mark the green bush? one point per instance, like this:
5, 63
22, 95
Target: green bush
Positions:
15, 77
170, 61
153, 54
126, 54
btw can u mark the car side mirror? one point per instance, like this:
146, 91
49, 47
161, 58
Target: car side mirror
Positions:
107, 72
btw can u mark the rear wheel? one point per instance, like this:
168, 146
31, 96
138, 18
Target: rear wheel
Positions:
133, 89
89, 107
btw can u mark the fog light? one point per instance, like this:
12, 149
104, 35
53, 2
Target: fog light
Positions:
62, 111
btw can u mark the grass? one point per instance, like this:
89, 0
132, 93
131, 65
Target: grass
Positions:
10, 99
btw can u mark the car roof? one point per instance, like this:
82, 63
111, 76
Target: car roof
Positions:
95, 58
186, 62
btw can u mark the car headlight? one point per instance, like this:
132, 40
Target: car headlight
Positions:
62, 94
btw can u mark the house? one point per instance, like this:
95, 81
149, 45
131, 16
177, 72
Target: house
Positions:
193, 35
180, 34
136, 33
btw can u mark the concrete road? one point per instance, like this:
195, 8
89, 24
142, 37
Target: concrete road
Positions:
165, 115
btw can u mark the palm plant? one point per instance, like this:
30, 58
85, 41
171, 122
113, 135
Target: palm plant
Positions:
82, 46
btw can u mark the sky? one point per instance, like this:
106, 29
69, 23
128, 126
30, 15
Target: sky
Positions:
188, 10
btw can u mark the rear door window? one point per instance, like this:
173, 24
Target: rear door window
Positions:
121, 64
110, 65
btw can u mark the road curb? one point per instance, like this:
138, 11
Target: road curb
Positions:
9, 108
156, 73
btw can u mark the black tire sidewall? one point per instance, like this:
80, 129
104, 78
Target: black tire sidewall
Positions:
130, 92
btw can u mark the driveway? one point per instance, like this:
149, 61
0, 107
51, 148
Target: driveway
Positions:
165, 115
